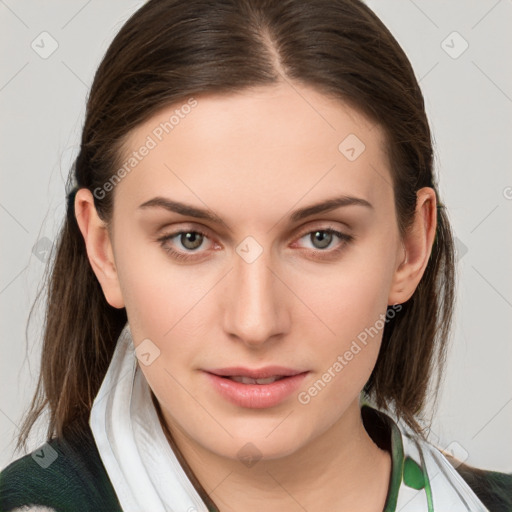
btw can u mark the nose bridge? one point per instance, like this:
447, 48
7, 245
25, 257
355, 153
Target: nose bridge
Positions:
254, 310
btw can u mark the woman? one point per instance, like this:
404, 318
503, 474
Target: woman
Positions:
255, 279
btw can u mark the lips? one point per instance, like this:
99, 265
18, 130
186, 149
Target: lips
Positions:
255, 388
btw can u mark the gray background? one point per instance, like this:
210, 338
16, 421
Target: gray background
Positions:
469, 102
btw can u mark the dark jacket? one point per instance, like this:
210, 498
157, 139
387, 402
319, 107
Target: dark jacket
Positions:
74, 481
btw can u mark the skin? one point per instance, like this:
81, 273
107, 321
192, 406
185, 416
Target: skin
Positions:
253, 158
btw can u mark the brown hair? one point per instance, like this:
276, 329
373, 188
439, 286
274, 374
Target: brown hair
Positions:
170, 50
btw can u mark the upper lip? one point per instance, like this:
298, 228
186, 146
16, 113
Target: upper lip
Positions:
257, 373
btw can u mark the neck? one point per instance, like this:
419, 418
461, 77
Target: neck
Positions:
342, 469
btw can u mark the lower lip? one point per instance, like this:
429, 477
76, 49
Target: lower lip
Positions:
256, 396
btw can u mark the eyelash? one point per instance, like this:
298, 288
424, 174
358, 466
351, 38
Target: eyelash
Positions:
344, 240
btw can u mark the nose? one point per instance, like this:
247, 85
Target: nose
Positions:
255, 302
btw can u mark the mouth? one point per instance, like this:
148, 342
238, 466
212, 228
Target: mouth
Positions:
255, 389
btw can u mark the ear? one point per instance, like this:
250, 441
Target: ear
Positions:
416, 248
99, 247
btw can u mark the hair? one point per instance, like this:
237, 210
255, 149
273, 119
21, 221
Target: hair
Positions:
171, 50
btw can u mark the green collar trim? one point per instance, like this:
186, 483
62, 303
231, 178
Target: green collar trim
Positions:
397, 470
397, 457
414, 476
404, 469
428, 489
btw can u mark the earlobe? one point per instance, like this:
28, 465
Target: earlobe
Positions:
99, 247
416, 248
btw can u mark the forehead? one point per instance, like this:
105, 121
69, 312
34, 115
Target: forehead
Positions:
261, 144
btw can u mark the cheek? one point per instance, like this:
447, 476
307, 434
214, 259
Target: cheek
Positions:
165, 304
160, 307
347, 298
351, 323
348, 315
155, 291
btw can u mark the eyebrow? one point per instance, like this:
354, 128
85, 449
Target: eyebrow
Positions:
297, 215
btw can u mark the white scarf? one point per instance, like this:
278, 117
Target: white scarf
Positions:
147, 476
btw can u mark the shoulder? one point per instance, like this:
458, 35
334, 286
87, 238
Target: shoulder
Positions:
64, 474
493, 488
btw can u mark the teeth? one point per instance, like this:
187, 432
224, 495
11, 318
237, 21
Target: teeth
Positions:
248, 380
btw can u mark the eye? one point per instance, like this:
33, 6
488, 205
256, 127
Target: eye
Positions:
191, 240
322, 238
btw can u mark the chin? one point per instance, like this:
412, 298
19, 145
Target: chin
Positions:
253, 438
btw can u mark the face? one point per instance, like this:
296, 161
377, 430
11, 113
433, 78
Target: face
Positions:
265, 280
